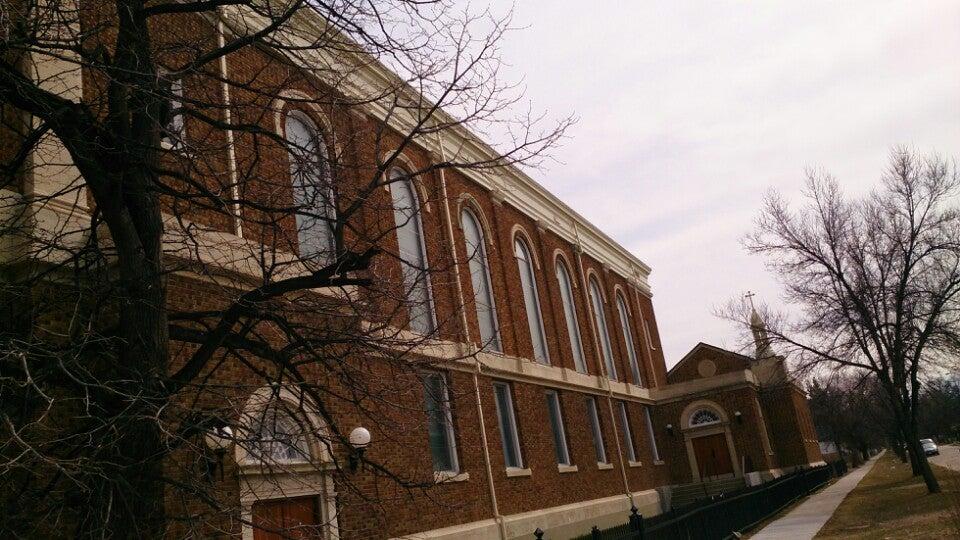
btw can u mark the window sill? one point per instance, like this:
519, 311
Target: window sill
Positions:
635, 463
513, 472
445, 477
659, 462
604, 466
567, 469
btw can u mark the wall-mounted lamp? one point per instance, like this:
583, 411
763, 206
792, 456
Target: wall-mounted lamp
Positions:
218, 439
359, 440
670, 429
738, 416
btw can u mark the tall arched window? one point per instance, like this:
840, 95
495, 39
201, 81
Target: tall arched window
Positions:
312, 187
480, 279
628, 339
601, 322
570, 315
531, 301
413, 253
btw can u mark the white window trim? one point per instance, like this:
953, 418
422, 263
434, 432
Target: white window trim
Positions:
624, 312
627, 433
570, 317
417, 205
324, 153
600, 320
532, 276
652, 435
511, 417
449, 477
553, 398
448, 427
485, 261
176, 102
593, 416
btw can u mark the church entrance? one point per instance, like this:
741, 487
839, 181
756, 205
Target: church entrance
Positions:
287, 518
713, 456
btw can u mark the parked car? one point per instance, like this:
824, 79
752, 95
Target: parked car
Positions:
929, 447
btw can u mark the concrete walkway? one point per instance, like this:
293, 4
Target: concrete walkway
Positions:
804, 521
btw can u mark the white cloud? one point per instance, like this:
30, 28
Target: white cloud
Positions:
691, 110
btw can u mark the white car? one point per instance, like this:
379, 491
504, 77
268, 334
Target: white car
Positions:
929, 447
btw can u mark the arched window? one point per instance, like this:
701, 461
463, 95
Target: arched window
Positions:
628, 339
312, 188
413, 253
570, 315
278, 437
480, 279
531, 301
601, 321
704, 417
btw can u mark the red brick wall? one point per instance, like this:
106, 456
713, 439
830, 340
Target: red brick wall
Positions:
796, 440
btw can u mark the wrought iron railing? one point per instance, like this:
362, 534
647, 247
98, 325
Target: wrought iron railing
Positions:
720, 517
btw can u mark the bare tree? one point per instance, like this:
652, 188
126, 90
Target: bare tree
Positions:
839, 404
872, 283
148, 142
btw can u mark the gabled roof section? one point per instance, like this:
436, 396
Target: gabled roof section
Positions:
700, 347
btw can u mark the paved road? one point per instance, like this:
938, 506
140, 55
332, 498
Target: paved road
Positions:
949, 457
804, 521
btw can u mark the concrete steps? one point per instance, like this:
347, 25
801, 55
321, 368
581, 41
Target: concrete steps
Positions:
685, 494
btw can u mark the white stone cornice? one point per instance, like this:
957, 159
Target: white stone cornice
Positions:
360, 77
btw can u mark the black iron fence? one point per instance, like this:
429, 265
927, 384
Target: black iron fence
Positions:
723, 516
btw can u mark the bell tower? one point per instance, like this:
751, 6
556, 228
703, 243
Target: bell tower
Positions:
768, 366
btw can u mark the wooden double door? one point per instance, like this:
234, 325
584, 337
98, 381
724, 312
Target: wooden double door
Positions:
288, 518
713, 455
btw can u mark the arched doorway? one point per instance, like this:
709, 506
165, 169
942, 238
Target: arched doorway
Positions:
286, 489
709, 442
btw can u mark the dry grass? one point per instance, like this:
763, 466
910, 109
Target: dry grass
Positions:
890, 503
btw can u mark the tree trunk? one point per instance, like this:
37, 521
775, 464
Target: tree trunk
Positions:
918, 456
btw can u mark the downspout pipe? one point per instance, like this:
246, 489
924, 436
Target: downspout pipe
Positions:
466, 336
228, 120
601, 364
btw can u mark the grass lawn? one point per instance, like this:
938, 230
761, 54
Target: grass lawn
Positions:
889, 503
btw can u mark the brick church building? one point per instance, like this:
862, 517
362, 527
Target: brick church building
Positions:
553, 408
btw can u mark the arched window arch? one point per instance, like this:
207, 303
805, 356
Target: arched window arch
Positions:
412, 251
279, 437
628, 339
531, 300
570, 316
312, 187
704, 417
596, 298
480, 279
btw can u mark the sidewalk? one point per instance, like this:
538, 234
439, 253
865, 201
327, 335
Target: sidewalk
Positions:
804, 521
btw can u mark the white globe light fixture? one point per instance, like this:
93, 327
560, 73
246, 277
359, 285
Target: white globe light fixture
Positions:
218, 439
359, 440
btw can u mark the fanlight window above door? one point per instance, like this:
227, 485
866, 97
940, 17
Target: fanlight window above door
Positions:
278, 437
704, 417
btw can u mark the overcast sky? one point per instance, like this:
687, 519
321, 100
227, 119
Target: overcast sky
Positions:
690, 111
